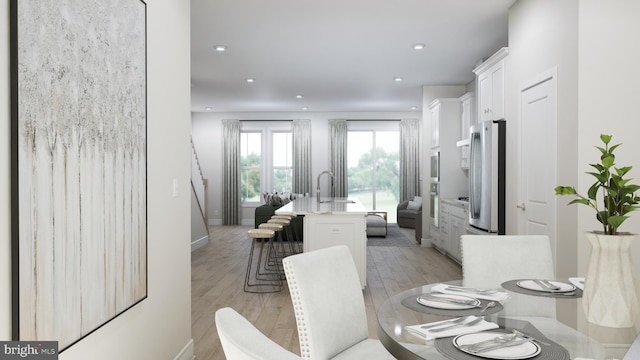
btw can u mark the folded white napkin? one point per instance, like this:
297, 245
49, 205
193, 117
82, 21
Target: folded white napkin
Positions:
578, 282
427, 334
495, 295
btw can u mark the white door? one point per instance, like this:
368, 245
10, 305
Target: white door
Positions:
538, 156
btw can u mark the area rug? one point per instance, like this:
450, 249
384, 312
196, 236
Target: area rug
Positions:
395, 237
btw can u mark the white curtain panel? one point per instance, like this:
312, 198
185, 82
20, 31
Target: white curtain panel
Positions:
338, 136
410, 159
301, 134
231, 169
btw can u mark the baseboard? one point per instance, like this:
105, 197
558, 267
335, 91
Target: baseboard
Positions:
197, 244
187, 352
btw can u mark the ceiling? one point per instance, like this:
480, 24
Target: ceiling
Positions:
340, 55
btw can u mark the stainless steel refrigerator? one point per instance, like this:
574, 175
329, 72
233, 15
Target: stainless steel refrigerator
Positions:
487, 142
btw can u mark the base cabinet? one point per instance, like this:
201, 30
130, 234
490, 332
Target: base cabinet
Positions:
453, 224
322, 231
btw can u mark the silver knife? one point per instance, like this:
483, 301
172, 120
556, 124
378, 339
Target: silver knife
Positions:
500, 346
471, 290
550, 285
449, 300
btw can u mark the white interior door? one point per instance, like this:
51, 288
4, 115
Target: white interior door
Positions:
538, 156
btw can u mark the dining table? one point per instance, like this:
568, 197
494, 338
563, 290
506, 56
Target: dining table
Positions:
401, 319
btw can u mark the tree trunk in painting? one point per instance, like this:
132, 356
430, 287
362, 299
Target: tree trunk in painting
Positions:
81, 165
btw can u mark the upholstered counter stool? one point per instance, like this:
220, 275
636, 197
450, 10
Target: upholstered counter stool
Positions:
273, 284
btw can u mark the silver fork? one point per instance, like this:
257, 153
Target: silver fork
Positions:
496, 340
509, 343
449, 327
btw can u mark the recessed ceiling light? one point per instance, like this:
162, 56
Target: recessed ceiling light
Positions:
418, 46
298, 96
250, 80
414, 108
305, 108
398, 78
220, 48
208, 108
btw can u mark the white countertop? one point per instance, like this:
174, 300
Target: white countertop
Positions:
326, 206
456, 202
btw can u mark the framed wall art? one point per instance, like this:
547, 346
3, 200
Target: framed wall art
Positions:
79, 165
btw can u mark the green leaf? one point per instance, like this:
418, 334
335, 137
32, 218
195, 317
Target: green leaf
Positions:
623, 171
605, 138
613, 147
593, 191
579, 201
602, 178
565, 190
616, 221
608, 161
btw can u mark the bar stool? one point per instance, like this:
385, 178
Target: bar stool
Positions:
275, 283
273, 262
288, 235
294, 233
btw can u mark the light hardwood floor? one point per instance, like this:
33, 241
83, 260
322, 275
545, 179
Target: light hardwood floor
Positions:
217, 277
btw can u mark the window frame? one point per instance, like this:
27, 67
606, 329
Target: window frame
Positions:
266, 129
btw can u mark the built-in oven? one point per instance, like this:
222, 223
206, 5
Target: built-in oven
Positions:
434, 185
433, 201
435, 166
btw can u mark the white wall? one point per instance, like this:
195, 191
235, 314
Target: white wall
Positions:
609, 75
207, 138
594, 47
160, 326
543, 34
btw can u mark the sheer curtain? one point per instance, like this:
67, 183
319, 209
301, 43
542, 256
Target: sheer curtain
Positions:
301, 138
338, 154
231, 172
410, 135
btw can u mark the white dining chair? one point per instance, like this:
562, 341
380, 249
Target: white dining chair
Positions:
242, 341
490, 260
329, 306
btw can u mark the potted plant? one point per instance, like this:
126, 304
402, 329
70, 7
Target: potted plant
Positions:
610, 293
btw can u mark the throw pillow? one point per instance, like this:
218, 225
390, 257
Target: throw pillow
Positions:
412, 205
418, 199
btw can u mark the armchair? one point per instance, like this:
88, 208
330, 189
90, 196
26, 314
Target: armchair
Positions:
408, 211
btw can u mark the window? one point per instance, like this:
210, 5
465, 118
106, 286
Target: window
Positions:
250, 165
266, 160
282, 162
373, 166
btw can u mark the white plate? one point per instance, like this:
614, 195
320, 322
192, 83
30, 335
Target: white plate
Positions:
532, 285
525, 350
448, 306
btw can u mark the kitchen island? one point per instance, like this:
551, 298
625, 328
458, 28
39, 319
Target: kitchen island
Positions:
330, 222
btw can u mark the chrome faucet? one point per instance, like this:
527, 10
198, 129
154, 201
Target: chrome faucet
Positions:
333, 178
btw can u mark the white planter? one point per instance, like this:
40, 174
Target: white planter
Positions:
610, 291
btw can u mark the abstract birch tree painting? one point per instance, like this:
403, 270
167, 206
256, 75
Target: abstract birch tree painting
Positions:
79, 72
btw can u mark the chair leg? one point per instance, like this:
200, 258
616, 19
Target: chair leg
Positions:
261, 285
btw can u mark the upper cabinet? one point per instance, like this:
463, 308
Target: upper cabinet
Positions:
490, 83
467, 118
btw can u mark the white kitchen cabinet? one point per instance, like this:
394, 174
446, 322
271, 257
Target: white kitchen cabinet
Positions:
435, 126
467, 118
490, 86
453, 220
452, 180
441, 241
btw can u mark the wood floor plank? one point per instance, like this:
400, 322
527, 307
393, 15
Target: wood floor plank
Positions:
217, 278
